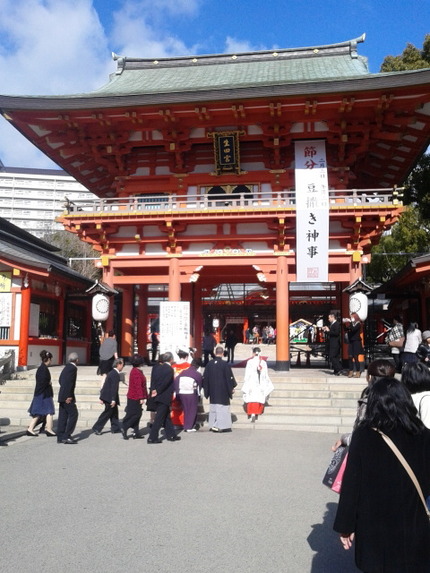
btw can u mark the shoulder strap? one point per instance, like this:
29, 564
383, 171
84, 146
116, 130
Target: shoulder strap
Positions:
407, 467
419, 408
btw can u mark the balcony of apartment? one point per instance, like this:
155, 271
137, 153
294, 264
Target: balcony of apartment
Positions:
254, 202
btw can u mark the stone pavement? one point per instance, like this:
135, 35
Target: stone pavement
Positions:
246, 501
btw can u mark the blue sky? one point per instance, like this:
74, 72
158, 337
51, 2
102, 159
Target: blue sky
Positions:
64, 46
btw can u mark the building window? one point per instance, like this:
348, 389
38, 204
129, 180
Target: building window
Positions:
48, 317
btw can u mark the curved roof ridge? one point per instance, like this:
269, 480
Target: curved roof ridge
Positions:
346, 46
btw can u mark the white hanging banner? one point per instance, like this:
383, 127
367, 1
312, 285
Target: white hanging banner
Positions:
312, 211
174, 326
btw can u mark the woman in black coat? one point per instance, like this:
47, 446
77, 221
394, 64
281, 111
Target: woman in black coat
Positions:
42, 405
379, 506
355, 346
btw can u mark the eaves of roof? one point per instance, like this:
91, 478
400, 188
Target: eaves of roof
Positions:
20, 257
102, 99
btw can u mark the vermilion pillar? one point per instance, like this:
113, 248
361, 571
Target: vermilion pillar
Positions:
24, 327
108, 279
282, 316
62, 333
142, 320
174, 281
127, 313
197, 317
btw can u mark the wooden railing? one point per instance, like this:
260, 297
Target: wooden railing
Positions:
247, 202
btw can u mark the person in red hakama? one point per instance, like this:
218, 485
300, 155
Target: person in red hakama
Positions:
257, 385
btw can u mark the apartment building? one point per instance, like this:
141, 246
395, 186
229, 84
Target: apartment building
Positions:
33, 198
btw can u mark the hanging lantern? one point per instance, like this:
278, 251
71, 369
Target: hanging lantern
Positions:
100, 307
358, 303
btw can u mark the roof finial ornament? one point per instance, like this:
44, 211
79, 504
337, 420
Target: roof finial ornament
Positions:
353, 45
120, 62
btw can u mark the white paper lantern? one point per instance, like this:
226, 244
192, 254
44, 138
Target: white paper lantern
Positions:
358, 303
100, 307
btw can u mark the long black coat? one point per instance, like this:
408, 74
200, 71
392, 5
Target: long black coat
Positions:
43, 382
67, 382
218, 382
334, 335
162, 376
110, 389
380, 504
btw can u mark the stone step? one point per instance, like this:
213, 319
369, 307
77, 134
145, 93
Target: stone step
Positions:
302, 400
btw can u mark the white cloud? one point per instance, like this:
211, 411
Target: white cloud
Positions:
47, 47
235, 46
54, 47
143, 29
51, 47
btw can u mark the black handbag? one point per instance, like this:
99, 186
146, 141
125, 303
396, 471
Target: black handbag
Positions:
151, 404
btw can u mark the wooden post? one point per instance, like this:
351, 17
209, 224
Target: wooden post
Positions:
282, 316
127, 321
142, 320
24, 327
174, 281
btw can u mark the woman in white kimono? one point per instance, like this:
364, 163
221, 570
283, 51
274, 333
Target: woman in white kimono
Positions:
257, 385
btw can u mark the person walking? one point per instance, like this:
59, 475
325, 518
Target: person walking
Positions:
218, 385
136, 395
108, 353
155, 342
334, 343
396, 340
161, 391
355, 346
187, 385
109, 397
413, 340
230, 344
68, 412
42, 405
257, 385
379, 507
209, 343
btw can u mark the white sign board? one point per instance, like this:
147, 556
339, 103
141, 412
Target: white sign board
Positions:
312, 211
5, 309
174, 326
33, 327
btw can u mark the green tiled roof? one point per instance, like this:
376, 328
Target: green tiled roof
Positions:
227, 71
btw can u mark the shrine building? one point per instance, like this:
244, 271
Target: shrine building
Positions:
269, 174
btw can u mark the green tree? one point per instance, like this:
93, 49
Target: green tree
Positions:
410, 59
411, 235
408, 238
417, 190
71, 247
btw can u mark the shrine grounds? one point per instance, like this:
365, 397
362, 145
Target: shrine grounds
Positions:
249, 501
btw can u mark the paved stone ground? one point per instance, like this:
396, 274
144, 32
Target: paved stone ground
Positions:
248, 501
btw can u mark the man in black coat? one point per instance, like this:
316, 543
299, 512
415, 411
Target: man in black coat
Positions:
334, 343
68, 412
219, 384
161, 390
109, 396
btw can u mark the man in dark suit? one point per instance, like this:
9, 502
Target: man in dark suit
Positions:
334, 343
161, 391
68, 412
219, 384
109, 396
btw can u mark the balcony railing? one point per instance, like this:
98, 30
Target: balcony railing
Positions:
228, 202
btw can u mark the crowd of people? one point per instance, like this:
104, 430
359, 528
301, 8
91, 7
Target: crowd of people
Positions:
175, 391
387, 475
380, 508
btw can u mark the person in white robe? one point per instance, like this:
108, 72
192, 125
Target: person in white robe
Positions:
257, 385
